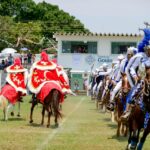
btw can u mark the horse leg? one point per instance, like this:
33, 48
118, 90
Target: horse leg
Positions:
49, 115
122, 128
126, 130
118, 128
143, 138
134, 139
43, 114
9, 107
18, 110
3, 105
31, 112
112, 116
129, 139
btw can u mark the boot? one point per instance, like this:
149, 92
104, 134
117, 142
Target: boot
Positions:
127, 113
33, 99
110, 106
20, 99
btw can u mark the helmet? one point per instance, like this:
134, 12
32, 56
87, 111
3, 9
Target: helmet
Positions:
145, 43
120, 57
115, 62
104, 65
132, 50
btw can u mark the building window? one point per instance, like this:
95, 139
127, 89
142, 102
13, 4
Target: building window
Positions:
79, 47
121, 47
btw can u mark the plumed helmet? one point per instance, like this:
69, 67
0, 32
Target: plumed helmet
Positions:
105, 65
145, 43
115, 62
132, 50
44, 56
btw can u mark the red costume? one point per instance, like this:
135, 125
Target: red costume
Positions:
63, 79
44, 77
16, 79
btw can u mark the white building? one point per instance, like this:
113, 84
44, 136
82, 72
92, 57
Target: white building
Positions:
80, 51
84, 52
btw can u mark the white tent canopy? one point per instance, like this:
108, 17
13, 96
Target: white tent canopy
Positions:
8, 51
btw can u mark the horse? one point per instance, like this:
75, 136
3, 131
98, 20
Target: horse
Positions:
146, 101
120, 100
5, 103
51, 104
106, 93
136, 119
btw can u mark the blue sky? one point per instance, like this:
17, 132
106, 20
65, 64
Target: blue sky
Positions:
107, 16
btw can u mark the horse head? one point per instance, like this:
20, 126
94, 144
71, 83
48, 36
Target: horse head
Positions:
125, 84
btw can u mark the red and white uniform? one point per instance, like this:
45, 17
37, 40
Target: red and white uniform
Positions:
63, 79
16, 79
44, 77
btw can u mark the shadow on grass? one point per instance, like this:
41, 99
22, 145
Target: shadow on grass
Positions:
54, 126
35, 125
14, 119
42, 126
113, 126
120, 138
106, 119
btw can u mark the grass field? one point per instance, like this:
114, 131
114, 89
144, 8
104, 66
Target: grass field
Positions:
82, 128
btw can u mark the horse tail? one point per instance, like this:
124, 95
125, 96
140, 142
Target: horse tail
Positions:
56, 102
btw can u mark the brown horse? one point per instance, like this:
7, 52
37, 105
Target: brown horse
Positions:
106, 97
136, 119
120, 100
51, 105
146, 101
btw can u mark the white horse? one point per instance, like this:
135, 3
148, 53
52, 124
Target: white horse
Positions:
7, 107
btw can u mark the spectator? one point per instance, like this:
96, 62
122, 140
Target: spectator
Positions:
10, 59
33, 58
29, 55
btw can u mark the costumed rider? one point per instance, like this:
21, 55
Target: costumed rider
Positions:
118, 81
98, 79
106, 74
44, 76
64, 81
16, 81
114, 71
133, 69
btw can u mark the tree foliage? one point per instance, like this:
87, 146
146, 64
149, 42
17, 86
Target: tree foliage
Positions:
23, 23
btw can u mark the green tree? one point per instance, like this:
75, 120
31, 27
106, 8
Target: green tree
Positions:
23, 23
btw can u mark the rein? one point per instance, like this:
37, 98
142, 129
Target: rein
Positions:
146, 92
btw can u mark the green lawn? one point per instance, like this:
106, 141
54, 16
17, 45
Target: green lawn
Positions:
82, 128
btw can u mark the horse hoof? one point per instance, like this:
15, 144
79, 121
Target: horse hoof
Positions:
31, 121
18, 115
56, 125
12, 113
48, 126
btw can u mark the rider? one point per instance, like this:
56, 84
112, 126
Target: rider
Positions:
130, 52
133, 67
16, 82
42, 72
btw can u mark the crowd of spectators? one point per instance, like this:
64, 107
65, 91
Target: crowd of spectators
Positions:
26, 60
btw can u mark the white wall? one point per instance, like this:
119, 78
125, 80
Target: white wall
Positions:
79, 61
